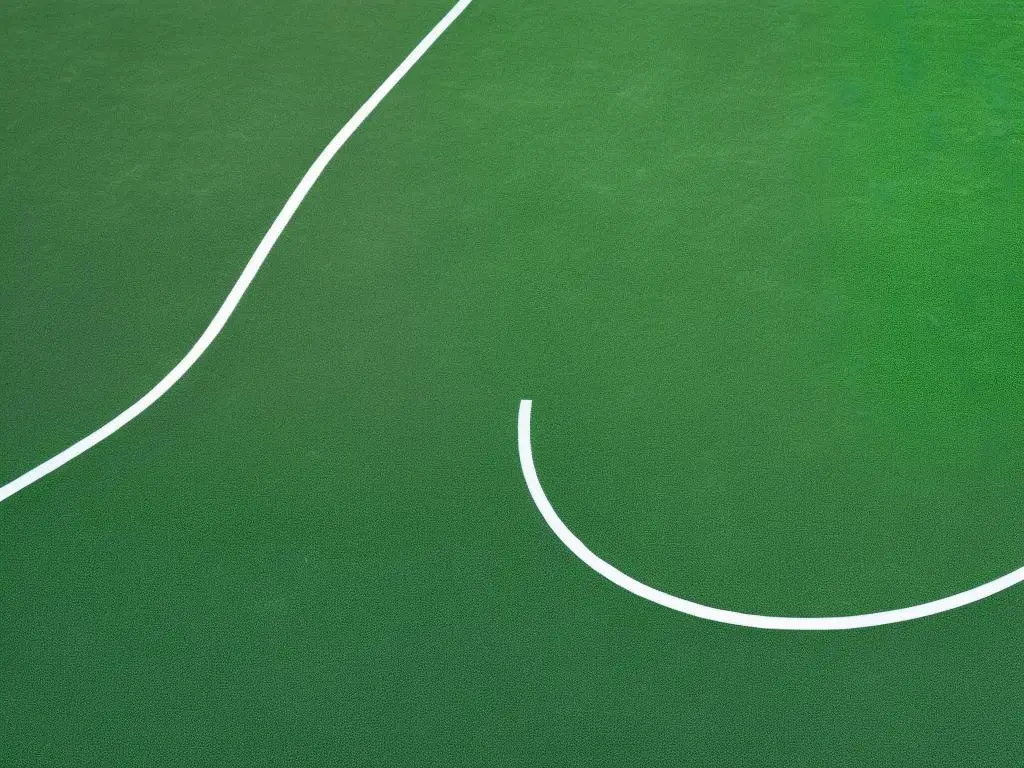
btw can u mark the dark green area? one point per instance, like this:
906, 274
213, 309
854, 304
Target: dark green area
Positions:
758, 265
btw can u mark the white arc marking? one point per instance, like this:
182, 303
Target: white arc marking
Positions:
640, 589
251, 268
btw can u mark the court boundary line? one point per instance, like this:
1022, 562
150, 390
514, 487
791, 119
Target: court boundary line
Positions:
723, 616
241, 285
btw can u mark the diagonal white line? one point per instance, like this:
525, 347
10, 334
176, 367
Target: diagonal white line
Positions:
255, 262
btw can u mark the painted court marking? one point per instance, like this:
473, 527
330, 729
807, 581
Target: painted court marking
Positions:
640, 589
251, 268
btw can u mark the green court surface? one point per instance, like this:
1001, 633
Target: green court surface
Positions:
759, 267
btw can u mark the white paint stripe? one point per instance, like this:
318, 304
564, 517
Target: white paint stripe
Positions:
640, 589
255, 262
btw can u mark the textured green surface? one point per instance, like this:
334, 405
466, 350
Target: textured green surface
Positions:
759, 266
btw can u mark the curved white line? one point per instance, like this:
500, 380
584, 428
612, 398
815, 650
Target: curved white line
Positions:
640, 589
251, 268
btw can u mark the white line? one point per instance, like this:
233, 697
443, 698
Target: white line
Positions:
255, 262
630, 584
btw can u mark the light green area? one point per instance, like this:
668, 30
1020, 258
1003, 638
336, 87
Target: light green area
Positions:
758, 266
